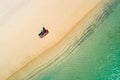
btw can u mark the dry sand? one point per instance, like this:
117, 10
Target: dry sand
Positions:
20, 42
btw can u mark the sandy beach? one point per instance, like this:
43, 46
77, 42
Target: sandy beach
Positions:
20, 42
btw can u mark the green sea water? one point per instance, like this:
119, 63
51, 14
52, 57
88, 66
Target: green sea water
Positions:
97, 58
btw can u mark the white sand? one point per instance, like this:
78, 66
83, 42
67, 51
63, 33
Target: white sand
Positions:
19, 42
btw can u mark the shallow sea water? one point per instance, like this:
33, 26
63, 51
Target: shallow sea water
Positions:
94, 56
97, 58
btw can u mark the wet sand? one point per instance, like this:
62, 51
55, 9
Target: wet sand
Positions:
20, 42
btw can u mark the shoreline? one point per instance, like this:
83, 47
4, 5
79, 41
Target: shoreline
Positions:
16, 66
63, 40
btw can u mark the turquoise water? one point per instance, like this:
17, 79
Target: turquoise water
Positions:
97, 58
